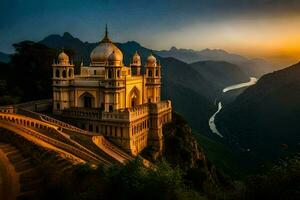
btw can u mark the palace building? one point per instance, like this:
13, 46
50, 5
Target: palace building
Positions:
112, 99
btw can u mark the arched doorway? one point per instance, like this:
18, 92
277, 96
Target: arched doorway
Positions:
87, 100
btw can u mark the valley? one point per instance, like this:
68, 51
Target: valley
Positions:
211, 121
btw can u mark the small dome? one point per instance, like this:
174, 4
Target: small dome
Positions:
115, 59
115, 56
63, 57
151, 61
136, 59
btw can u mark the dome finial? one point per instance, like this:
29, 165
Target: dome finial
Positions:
106, 32
106, 38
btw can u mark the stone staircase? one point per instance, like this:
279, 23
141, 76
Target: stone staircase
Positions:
25, 172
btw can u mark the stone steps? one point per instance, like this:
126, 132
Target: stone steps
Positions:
23, 166
3, 145
15, 157
26, 195
28, 176
9, 149
30, 186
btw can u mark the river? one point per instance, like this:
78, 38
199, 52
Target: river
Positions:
211, 121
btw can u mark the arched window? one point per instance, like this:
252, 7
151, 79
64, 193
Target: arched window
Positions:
118, 73
109, 73
95, 72
150, 73
64, 74
156, 72
57, 73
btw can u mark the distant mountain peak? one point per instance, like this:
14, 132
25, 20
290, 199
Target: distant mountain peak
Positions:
215, 50
173, 48
67, 35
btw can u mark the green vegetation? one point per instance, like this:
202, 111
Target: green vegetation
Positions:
132, 181
28, 75
281, 182
220, 155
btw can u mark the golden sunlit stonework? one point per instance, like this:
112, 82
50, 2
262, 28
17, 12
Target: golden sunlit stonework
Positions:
112, 99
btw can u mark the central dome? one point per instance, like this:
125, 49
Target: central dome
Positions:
101, 53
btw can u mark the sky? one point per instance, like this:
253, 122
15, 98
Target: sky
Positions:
267, 29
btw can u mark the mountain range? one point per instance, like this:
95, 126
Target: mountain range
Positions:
252, 67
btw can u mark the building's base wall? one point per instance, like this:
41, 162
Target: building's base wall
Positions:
133, 133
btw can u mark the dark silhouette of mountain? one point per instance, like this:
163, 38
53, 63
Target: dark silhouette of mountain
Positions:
221, 73
4, 57
83, 49
264, 120
252, 67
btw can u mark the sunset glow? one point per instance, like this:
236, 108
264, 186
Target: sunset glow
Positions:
264, 29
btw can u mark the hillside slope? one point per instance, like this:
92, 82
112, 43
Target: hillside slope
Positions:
221, 73
264, 119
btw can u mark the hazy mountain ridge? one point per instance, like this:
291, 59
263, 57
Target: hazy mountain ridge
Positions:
221, 73
205, 54
252, 67
265, 117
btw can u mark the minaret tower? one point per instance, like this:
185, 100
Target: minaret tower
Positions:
153, 79
63, 77
136, 65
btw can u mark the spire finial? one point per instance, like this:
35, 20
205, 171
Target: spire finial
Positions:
106, 38
106, 32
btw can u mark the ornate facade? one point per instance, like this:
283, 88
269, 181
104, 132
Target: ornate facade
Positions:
112, 99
